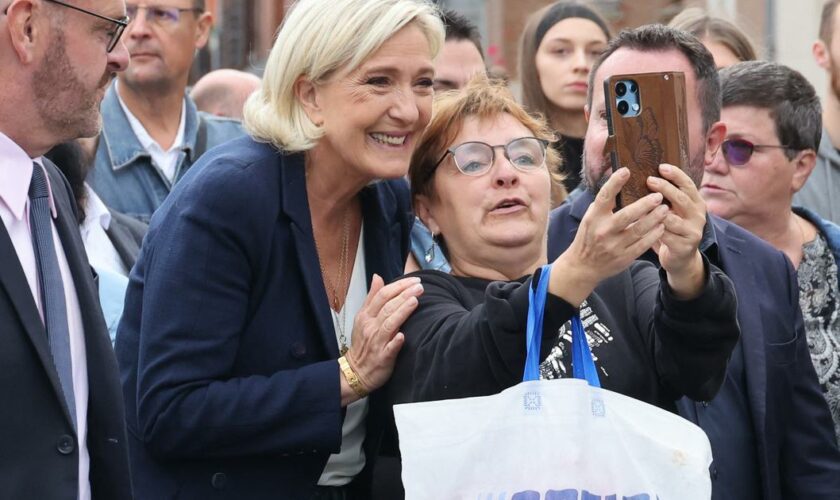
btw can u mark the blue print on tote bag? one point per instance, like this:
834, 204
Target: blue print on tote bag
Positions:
567, 494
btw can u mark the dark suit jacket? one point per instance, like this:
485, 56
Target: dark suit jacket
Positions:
226, 346
798, 457
126, 234
39, 451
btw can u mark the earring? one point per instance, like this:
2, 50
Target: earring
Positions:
430, 252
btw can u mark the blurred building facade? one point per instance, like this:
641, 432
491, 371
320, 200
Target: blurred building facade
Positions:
784, 30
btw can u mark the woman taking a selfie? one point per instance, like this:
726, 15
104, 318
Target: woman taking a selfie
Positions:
480, 178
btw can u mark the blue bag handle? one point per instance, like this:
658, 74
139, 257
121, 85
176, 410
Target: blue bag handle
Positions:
583, 367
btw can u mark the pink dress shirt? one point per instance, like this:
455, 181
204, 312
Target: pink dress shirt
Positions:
15, 176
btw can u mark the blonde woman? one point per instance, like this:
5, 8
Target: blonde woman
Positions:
257, 320
726, 41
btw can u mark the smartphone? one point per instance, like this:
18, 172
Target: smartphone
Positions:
648, 125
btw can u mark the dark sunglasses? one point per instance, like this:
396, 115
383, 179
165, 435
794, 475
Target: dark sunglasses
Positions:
739, 151
475, 158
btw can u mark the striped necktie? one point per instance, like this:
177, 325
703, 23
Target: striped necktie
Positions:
52, 286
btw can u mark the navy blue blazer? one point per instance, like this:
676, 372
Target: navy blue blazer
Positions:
226, 347
39, 447
797, 453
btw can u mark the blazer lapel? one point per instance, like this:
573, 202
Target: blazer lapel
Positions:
13, 280
382, 232
97, 341
740, 269
578, 210
296, 207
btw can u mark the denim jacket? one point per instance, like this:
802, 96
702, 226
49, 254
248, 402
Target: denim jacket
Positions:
426, 250
829, 230
123, 174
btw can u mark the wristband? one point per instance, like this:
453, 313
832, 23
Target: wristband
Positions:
352, 378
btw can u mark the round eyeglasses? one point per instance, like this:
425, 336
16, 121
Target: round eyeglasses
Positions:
475, 157
739, 151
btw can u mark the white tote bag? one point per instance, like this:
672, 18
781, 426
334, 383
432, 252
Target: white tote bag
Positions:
551, 440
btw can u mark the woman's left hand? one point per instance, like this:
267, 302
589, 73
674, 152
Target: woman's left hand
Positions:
376, 337
678, 248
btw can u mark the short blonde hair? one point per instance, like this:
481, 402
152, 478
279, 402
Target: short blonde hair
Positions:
316, 39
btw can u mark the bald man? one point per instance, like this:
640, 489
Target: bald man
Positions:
223, 92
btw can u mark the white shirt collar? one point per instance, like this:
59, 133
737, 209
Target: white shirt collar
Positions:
95, 211
142, 134
15, 177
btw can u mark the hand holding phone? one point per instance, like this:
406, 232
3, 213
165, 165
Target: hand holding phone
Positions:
648, 126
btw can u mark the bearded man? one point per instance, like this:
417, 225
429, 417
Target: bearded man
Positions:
62, 426
769, 426
821, 193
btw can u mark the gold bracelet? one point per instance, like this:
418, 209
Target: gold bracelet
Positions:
352, 378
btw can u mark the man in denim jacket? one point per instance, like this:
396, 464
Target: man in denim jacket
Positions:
152, 132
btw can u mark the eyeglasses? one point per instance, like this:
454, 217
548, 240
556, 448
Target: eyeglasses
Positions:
739, 151
115, 35
475, 158
160, 15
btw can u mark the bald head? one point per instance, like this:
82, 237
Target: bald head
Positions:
223, 92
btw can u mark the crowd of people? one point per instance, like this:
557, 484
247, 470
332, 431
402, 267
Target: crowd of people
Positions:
221, 290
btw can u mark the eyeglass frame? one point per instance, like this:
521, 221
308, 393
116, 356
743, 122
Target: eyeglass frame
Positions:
158, 6
543, 142
115, 38
753, 148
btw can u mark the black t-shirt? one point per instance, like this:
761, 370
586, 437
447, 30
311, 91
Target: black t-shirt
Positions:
467, 337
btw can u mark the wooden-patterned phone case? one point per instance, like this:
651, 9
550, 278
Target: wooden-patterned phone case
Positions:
659, 134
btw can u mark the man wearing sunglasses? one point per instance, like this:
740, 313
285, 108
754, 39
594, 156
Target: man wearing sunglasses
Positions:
773, 121
62, 423
152, 130
769, 426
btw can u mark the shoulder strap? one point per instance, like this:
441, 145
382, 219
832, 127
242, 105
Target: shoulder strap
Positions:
200, 139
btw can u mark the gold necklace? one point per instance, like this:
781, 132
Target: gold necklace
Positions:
342, 277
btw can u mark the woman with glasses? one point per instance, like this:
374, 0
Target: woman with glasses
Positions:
480, 178
774, 134
258, 325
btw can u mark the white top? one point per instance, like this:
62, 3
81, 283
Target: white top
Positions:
100, 250
341, 468
15, 177
166, 161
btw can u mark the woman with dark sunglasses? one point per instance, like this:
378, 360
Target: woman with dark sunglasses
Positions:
480, 178
773, 126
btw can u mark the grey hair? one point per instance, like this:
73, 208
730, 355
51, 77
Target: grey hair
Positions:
790, 98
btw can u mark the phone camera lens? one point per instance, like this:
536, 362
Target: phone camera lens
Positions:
632, 88
623, 107
620, 89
